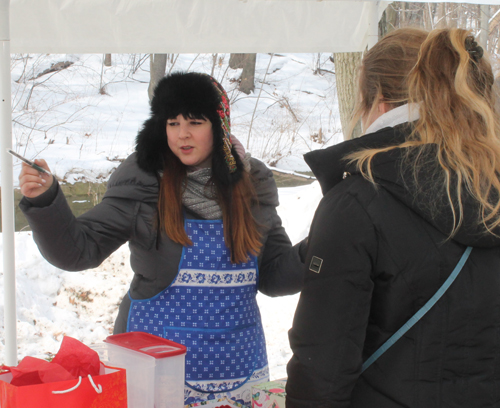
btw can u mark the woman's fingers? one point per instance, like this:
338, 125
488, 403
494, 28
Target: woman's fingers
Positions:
42, 163
32, 185
32, 182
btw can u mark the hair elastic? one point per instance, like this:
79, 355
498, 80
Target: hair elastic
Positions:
475, 51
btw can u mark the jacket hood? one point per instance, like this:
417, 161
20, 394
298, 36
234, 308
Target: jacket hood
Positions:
421, 192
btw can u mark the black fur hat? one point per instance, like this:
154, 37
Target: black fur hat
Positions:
191, 95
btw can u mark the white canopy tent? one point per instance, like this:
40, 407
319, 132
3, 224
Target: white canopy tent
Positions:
188, 26
163, 26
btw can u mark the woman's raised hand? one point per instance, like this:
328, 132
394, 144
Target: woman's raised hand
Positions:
32, 182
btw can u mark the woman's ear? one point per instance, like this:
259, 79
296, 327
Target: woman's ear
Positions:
377, 110
384, 107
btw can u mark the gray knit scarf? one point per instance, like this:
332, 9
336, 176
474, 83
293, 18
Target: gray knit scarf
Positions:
199, 195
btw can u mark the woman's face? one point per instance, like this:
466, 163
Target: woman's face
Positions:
191, 140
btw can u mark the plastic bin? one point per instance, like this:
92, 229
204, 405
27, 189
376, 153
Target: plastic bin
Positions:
140, 370
168, 358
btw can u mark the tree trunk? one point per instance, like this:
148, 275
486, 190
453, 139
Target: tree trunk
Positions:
107, 60
415, 15
214, 63
494, 22
494, 31
247, 62
432, 8
388, 22
484, 21
247, 83
463, 17
157, 66
496, 90
236, 60
346, 65
452, 15
441, 16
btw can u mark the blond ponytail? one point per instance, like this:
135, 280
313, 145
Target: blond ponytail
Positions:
453, 86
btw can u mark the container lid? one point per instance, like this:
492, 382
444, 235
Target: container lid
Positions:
146, 343
125, 358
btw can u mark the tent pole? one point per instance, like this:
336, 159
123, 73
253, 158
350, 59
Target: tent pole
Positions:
8, 226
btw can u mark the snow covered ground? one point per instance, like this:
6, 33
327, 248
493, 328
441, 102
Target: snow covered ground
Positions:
84, 133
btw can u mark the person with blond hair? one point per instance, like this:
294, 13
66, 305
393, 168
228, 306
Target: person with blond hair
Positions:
200, 218
401, 302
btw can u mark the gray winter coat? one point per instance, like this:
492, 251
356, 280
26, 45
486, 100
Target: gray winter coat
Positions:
128, 213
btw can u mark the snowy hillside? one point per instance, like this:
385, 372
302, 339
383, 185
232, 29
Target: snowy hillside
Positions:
83, 119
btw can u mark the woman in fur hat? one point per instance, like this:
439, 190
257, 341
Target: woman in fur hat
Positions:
200, 218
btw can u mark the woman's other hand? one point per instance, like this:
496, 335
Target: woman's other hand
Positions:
32, 182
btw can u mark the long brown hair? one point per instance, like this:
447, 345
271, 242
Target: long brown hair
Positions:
384, 69
240, 228
457, 115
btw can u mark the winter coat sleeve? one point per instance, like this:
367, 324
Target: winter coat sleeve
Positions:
330, 322
281, 267
78, 243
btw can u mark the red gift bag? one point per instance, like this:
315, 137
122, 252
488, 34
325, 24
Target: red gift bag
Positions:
106, 390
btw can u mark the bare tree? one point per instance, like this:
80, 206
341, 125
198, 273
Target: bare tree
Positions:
236, 60
247, 62
440, 15
346, 64
495, 21
214, 63
158, 65
33, 114
496, 89
494, 31
247, 83
107, 60
388, 21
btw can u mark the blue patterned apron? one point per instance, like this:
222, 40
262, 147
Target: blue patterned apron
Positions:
211, 308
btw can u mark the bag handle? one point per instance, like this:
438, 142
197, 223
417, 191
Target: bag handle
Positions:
417, 316
97, 388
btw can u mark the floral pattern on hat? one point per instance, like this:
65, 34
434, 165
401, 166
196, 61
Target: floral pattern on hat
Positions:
224, 114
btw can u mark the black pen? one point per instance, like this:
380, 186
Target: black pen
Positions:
29, 162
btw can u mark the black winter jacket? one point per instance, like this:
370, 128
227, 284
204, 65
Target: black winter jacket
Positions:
128, 213
384, 253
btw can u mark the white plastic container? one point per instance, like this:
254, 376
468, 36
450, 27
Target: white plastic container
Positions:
168, 359
140, 372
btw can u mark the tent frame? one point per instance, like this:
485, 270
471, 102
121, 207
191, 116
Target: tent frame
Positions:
7, 191
8, 224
